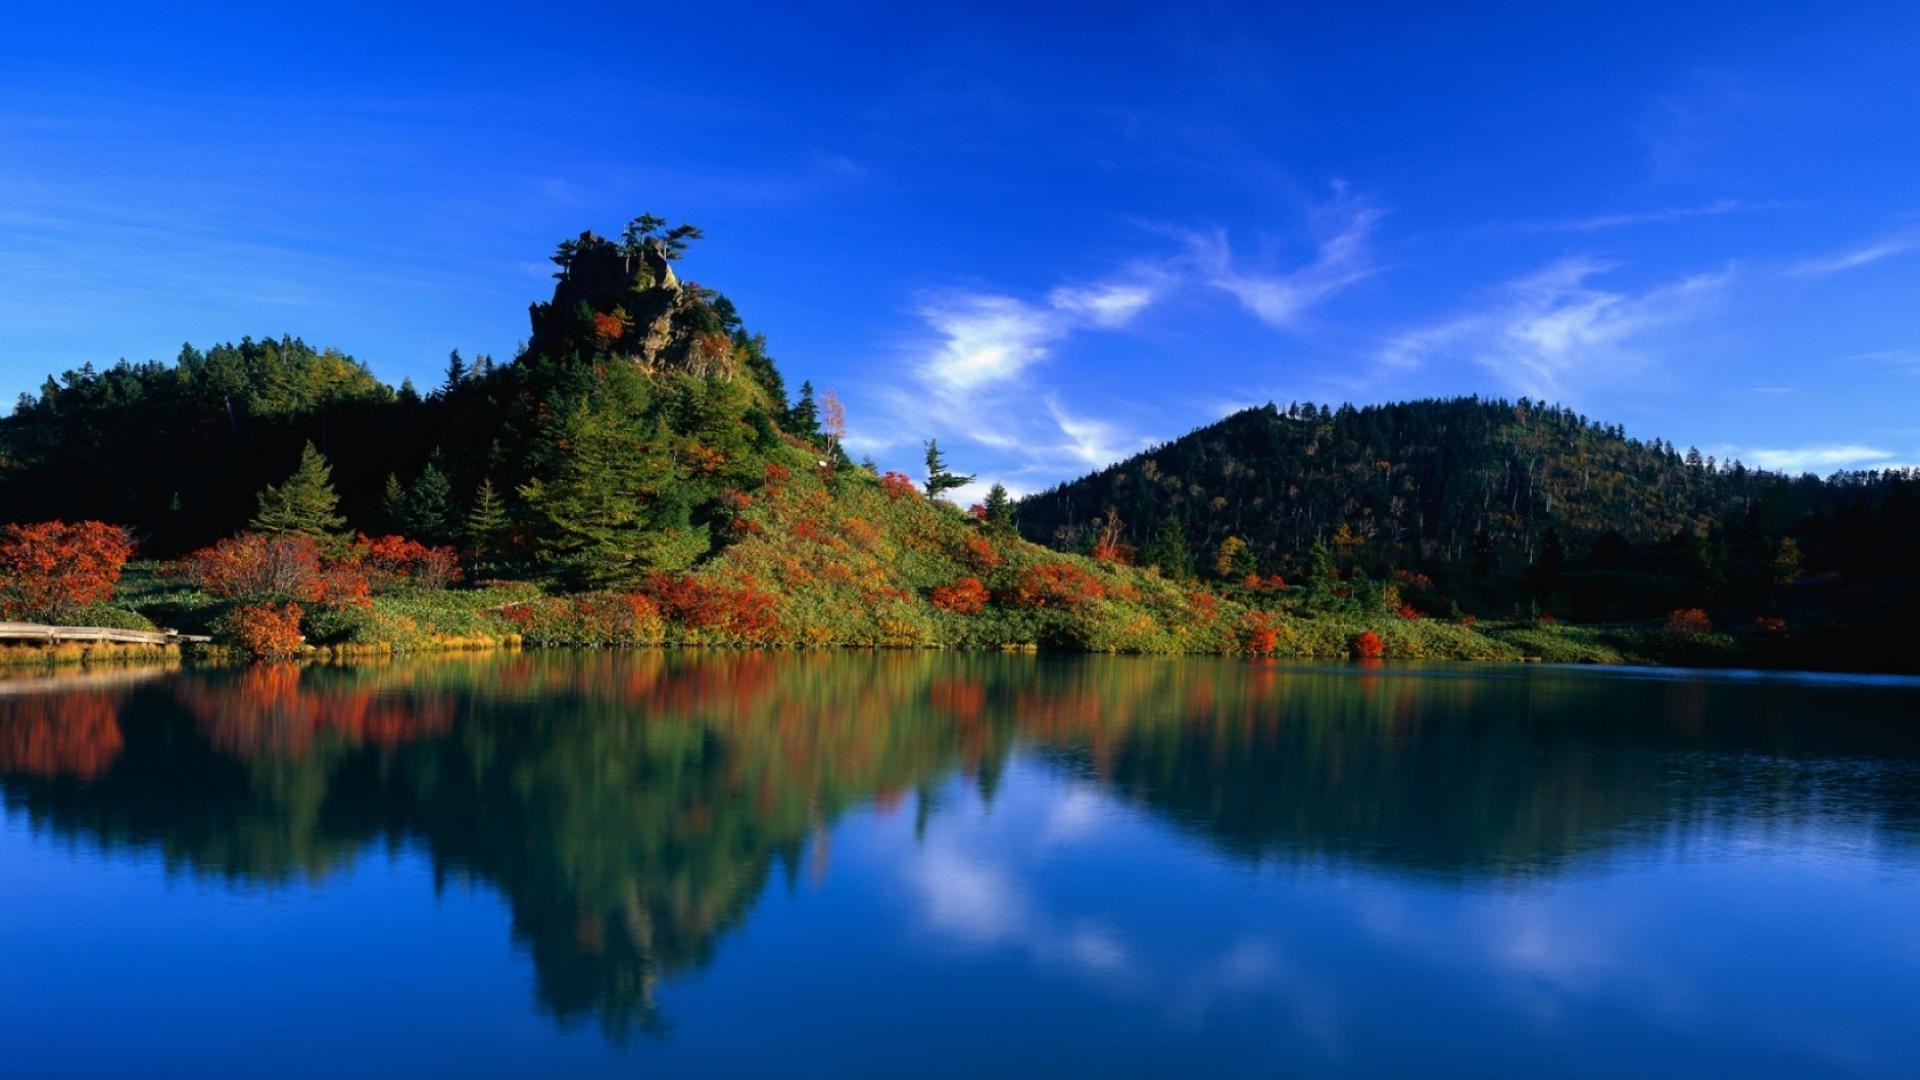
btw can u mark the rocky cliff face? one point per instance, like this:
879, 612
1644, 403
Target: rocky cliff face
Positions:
626, 301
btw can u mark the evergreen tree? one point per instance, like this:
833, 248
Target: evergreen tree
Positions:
1166, 550
803, 419
939, 478
456, 372
999, 507
305, 504
1321, 571
430, 509
486, 523
393, 505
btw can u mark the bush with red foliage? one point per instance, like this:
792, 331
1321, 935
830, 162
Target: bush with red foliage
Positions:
257, 566
1057, 585
49, 570
1259, 634
966, 596
742, 612
1409, 612
1770, 626
393, 561
977, 512
588, 619
607, 328
1368, 646
981, 555
1689, 621
898, 485
265, 631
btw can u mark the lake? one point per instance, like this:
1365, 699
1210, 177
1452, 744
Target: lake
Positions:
853, 863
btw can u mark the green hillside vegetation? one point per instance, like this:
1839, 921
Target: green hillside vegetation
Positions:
640, 474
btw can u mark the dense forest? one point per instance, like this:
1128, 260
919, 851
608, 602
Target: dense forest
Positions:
641, 473
1509, 499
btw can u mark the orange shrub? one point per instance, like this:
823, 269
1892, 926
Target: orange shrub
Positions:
742, 611
254, 566
608, 328
1689, 621
980, 554
1769, 625
967, 596
1409, 612
1057, 585
1259, 634
898, 485
49, 570
1368, 646
266, 631
391, 561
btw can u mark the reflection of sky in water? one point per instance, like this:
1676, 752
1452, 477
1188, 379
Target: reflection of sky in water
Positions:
1183, 867
1692, 942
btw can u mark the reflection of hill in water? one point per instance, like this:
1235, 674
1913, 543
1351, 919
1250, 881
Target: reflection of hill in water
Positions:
631, 807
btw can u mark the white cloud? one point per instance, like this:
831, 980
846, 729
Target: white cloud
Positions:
1852, 258
1341, 258
1546, 333
1648, 217
1824, 458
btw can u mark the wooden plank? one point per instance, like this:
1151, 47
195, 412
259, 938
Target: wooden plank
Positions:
39, 632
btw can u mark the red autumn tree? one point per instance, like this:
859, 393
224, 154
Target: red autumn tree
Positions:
1368, 646
49, 570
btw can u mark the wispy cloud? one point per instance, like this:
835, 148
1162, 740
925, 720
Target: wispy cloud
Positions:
1548, 332
1904, 359
1661, 216
1819, 459
1866, 254
1342, 257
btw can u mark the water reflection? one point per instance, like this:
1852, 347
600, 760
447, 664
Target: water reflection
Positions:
632, 807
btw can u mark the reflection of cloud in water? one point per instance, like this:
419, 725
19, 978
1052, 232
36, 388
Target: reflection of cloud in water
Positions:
978, 890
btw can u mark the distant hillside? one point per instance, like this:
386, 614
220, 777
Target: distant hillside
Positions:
1483, 486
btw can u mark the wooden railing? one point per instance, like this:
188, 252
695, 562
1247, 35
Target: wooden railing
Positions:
53, 635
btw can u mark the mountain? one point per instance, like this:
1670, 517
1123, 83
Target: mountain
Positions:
1478, 492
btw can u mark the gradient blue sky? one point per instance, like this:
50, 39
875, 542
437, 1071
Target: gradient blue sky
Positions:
1046, 236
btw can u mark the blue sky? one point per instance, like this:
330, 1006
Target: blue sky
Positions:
1045, 236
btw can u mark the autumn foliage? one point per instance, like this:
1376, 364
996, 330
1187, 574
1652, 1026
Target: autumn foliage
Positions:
50, 570
1057, 585
391, 561
288, 566
266, 631
898, 485
967, 596
742, 612
1368, 646
1689, 621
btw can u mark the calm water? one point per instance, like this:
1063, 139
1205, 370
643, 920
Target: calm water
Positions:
687, 864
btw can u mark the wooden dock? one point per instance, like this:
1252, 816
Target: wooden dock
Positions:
38, 634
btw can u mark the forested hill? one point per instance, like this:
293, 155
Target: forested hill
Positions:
1461, 481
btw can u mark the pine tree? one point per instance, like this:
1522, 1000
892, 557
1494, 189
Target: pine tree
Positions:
393, 505
305, 504
939, 478
999, 507
803, 419
430, 510
1166, 550
486, 523
456, 372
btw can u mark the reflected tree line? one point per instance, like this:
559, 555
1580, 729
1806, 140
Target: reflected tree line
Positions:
632, 807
